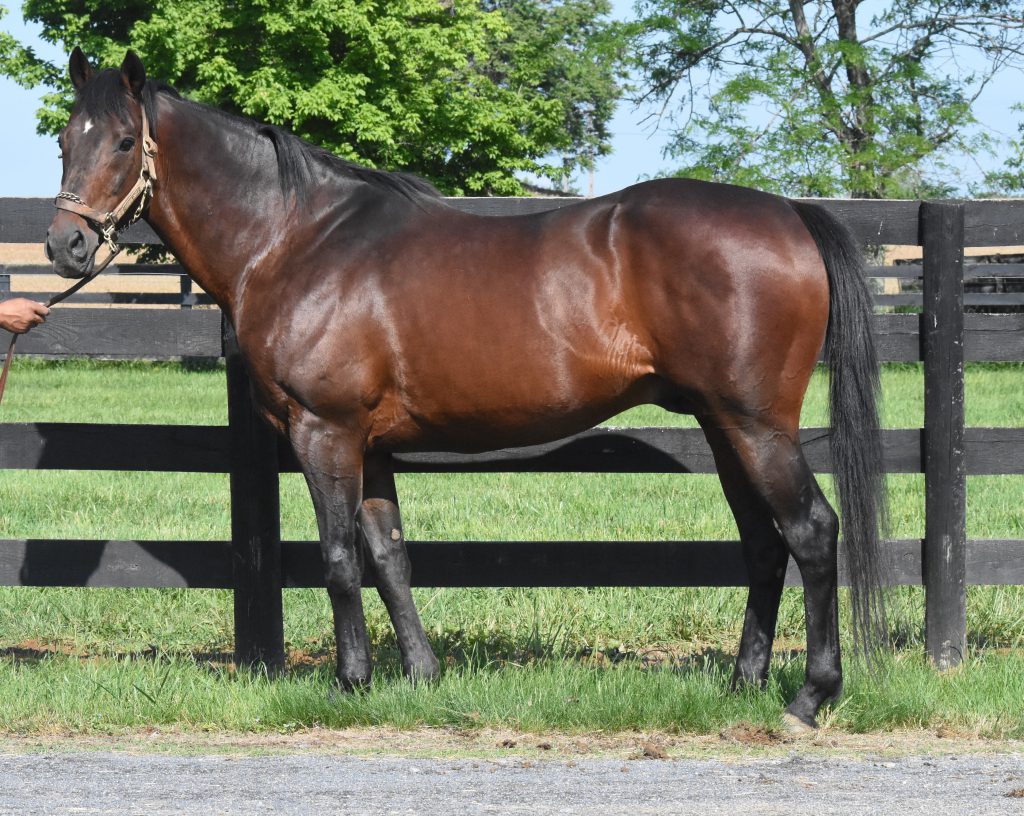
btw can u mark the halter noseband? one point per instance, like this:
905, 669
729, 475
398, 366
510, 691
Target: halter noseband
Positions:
106, 223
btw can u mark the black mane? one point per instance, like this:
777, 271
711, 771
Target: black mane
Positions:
297, 160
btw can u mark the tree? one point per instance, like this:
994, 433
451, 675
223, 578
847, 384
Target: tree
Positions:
467, 95
1010, 179
816, 98
540, 52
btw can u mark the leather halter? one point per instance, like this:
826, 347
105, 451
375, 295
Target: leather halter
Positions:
106, 223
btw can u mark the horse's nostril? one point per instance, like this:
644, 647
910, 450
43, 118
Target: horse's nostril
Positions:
46, 247
77, 245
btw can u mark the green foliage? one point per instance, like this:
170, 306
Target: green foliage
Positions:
467, 95
810, 99
540, 53
1010, 179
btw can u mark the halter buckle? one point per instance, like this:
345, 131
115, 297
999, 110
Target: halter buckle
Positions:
108, 231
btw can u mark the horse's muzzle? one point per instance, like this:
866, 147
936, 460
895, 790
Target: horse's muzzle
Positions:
71, 248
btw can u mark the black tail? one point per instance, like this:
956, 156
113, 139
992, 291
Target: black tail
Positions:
856, 441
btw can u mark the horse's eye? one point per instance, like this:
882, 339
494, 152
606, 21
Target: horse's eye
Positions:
126, 144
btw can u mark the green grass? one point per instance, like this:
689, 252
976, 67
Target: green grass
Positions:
586, 658
122, 392
61, 694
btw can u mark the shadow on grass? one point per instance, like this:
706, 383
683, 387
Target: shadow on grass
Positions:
454, 652
31, 654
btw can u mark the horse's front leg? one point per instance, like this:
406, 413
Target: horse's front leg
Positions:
332, 462
381, 526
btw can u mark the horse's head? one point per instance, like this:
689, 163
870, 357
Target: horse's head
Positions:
107, 173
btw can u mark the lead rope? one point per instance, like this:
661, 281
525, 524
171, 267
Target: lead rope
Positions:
106, 224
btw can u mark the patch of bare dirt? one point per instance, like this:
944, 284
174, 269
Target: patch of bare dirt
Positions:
32, 651
738, 742
652, 749
754, 735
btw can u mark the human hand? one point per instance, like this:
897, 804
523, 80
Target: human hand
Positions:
18, 315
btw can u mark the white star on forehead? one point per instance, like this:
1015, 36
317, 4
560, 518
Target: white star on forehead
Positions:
88, 126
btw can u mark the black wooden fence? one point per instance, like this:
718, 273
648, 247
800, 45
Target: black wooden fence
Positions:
257, 564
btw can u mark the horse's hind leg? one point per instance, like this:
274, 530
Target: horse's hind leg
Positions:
381, 526
778, 475
766, 558
331, 461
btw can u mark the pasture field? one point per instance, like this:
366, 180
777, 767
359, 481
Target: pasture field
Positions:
88, 660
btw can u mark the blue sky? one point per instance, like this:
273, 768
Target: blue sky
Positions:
33, 169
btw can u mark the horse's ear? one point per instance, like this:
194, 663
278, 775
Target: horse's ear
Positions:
133, 75
79, 68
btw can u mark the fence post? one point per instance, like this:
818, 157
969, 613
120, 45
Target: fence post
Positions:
255, 522
944, 559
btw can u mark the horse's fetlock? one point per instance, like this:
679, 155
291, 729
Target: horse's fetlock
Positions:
829, 682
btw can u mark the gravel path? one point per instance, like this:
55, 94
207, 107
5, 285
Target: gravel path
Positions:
111, 782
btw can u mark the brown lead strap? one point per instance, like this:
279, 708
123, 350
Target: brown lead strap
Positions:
7, 366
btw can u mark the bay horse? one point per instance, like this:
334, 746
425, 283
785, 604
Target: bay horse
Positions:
374, 318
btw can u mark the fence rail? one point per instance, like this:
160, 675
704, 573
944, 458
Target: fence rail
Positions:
257, 564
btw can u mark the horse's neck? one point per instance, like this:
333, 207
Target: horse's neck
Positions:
217, 203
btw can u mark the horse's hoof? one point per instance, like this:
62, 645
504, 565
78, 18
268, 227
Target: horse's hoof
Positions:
796, 725
346, 686
423, 674
338, 693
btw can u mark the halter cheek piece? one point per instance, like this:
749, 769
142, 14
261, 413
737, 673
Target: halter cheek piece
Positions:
106, 223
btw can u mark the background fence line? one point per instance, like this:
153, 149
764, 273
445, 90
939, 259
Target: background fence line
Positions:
256, 564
